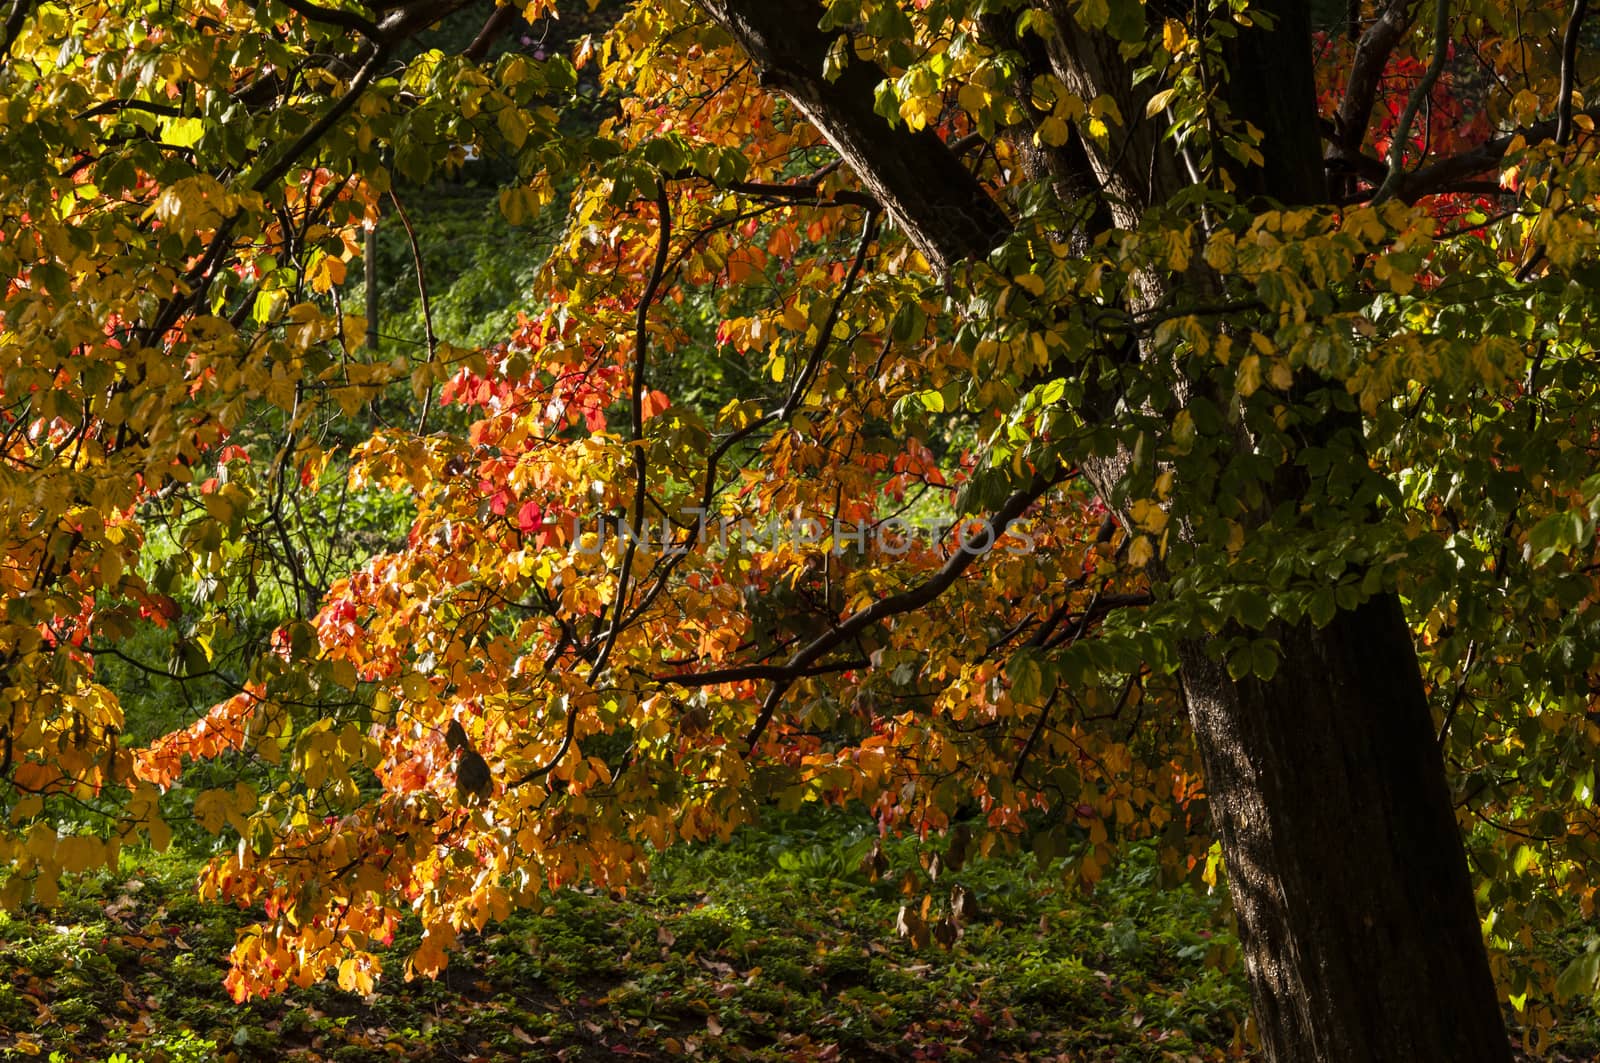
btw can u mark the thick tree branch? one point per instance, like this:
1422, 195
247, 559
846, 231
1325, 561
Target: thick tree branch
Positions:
407, 19
1448, 172
1366, 72
329, 16
803, 193
1419, 94
941, 207
493, 27
1071, 171
904, 602
1569, 65
748, 672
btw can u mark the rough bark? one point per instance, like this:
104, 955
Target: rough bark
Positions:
939, 205
1345, 865
1327, 789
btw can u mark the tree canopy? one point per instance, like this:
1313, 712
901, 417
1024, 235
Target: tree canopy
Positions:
1094, 420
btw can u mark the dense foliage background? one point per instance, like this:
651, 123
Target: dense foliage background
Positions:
309, 619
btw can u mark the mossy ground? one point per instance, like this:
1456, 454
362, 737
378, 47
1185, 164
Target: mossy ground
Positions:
775, 947
778, 946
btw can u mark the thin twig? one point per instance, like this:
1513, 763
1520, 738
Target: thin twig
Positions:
427, 305
1402, 131
641, 350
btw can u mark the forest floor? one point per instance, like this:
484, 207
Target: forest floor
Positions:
778, 946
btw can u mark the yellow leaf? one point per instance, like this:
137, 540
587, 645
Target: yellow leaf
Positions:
513, 125
1400, 281
80, 852
327, 274
1249, 374
1158, 102
1148, 515
973, 98
183, 132
514, 204
211, 809
159, 833
355, 330
41, 844
1140, 551
516, 72
1174, 36
1053, 131
307, 325
1183, 431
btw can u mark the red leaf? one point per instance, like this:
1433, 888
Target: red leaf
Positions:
653, 403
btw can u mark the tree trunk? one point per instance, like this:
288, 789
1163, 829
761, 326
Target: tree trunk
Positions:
1345, 863
1326, 783
1327, 788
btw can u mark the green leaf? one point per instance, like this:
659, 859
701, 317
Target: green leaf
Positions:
1322, 606
1126, 22
1259, 658
1264, 653
1027, 679
886, 102
1581, 977
1252, 608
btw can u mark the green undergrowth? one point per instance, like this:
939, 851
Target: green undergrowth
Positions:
781, 945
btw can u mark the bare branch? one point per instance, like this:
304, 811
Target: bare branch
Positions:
1366, 71
330, 16
796, 394
1447, 172
905, 602
496, 24
745, 673
1419, 93
113, 106
641, 349
427, 303
1569, 64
